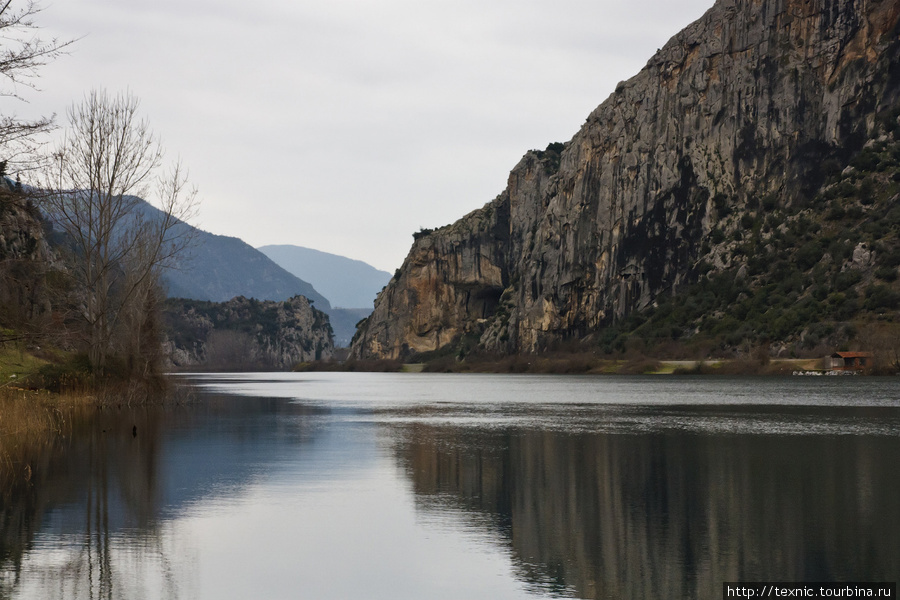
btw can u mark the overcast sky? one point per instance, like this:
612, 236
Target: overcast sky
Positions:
347, 125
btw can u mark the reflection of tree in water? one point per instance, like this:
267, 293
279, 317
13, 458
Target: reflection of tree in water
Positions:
93, 519
89, 485
668, 515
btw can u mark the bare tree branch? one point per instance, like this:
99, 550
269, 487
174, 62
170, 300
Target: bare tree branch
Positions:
119, 246
22, 54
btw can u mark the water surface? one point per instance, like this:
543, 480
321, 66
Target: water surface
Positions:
464, 486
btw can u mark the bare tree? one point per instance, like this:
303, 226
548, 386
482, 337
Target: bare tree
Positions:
883, 340
118, 244
22, 53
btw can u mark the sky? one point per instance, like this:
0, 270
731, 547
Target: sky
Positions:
348, 125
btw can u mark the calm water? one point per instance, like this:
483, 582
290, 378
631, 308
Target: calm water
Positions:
454, 486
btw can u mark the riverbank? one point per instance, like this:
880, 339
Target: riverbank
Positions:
575, 363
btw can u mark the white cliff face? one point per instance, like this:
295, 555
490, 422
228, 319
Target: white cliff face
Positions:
749, 102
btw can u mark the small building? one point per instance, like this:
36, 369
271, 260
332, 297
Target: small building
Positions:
851, 361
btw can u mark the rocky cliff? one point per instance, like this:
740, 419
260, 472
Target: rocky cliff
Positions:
21, 235
24, 256
748, 109
245, 334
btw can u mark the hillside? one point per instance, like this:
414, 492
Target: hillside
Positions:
739, 192
218, 268
347, 283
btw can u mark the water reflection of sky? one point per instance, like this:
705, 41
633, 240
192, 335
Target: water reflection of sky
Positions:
263, 504
431, 486
393, 390
603, 404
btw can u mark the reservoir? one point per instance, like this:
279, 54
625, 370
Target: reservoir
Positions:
415, 486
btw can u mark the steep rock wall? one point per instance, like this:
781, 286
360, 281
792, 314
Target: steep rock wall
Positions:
752, 100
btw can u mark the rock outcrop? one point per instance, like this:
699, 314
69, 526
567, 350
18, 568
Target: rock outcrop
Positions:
24, 256
21, 230
755, 100
245, 334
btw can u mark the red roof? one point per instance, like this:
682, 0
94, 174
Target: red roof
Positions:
853, 354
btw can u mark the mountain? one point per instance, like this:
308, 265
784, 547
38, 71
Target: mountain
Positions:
344, 322
741, 189
347, 283
219, 268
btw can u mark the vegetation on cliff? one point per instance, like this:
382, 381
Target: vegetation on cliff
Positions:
739, 192
804, 279
245, 334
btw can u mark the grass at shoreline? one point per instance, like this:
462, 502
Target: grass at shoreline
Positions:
29, 419
17, 364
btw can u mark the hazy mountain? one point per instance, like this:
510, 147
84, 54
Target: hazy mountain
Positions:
343, 323
219, 268
347, 283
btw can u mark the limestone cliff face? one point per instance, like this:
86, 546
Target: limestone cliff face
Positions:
244, 334
750, 101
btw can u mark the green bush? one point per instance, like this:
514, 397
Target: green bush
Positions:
889, 258
886, 273
748, 221
769, 202
808, 255
836, 211
845, 189
72, 374
867, 160
854, 212
846, 279
880, 298
723, 208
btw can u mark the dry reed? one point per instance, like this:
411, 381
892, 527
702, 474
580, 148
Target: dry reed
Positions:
28, 420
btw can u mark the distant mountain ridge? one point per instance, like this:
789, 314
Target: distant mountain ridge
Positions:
346, 282
218, 268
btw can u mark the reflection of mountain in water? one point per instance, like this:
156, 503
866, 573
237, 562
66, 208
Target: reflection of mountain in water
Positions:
669, 515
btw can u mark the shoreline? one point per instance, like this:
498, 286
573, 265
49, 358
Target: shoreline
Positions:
585, 363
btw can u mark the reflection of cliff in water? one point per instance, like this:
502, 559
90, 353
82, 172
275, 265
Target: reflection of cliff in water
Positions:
668, 515
101, 493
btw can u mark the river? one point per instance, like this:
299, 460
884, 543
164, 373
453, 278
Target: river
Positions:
425, 486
